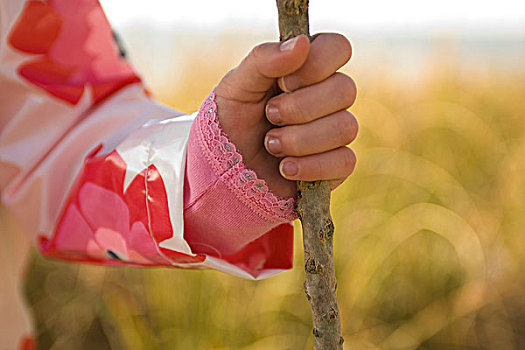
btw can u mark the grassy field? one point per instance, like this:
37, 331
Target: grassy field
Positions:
429, 238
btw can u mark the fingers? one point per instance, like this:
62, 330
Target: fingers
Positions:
257, 73
328, 53
321, 135
338, 92
315, 123
334, 165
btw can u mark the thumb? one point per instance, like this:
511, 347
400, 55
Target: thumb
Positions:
257, 73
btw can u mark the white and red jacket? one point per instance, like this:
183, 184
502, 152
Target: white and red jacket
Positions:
95, 170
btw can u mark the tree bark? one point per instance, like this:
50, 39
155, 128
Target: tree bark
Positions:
313, 207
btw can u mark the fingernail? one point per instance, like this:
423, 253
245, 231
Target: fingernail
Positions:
273, 114
283, 85
288, 169
272, 144
290, 83
288, 45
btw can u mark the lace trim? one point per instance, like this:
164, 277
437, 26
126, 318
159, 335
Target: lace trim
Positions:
226, 161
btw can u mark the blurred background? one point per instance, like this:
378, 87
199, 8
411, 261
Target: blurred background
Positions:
430, 241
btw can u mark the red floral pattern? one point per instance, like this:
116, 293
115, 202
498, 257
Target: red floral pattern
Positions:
72, 47
102, 223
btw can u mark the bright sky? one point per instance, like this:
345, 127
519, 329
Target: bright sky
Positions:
324, 14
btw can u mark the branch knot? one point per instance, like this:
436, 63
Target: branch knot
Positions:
316, 333
332, 314
313, 266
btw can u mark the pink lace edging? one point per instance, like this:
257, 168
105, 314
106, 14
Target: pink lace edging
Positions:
226, 161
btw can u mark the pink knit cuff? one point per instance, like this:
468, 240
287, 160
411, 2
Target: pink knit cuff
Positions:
224, 159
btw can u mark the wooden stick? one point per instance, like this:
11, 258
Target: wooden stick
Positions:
313, 207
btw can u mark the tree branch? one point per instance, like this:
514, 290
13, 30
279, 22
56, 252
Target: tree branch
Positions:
313, 207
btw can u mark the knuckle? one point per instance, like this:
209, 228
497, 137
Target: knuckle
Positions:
346, 88
347, 127
258, 56
257, 51
349, 160
253, 54
345, 47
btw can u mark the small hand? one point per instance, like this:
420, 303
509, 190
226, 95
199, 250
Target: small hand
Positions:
314, 126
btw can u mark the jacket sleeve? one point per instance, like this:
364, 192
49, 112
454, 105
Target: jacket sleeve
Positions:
97, 171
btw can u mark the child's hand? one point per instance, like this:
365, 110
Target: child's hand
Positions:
315, 126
